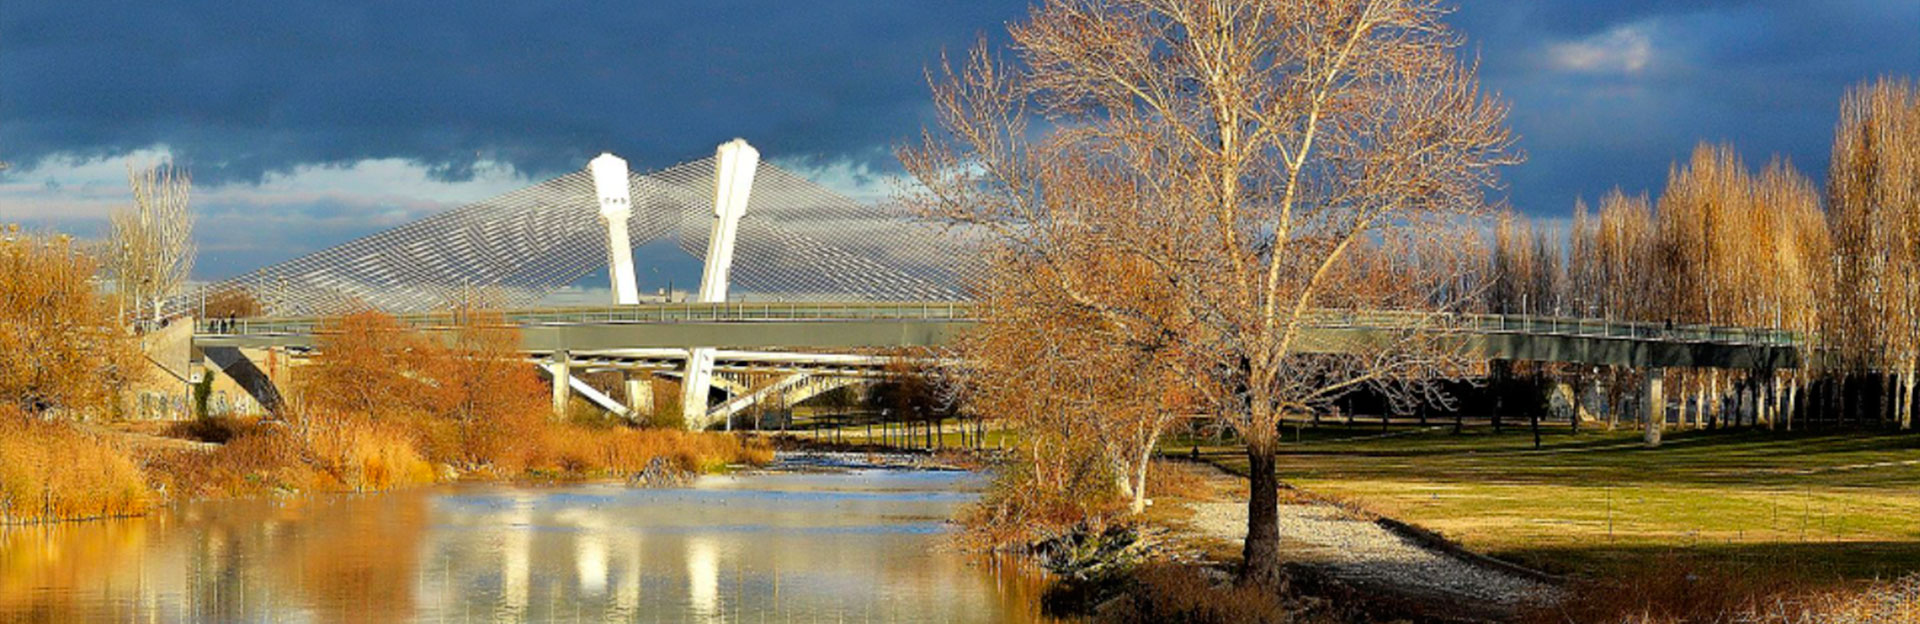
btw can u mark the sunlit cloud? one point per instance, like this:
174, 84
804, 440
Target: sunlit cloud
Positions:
1627, 49
385, 189
858, 179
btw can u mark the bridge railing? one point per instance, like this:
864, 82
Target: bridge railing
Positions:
959, 311
647, 313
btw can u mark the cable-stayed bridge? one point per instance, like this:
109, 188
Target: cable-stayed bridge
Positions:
758, 230
834, 281
794, 240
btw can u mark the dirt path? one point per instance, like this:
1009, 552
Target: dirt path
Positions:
145, 437
1368, 555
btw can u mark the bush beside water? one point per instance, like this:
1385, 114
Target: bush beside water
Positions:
50, 470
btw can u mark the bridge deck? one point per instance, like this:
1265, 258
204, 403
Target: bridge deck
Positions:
842, 326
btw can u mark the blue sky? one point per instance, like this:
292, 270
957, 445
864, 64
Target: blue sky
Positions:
306, 124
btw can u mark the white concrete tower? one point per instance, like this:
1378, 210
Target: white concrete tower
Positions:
733, 167
616, 206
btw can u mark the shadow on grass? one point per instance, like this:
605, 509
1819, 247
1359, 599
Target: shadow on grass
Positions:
1810, 562
1745, 457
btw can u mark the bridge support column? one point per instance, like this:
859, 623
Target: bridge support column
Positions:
733, 168
1656, 406
561, 370
695, 384
640, 394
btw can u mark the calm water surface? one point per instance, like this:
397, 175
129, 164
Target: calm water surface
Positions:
866, 546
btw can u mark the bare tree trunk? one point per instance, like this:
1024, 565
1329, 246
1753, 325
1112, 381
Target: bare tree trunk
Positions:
1906, 398
1786, 415
1140, 475
1261, 554
1716, 411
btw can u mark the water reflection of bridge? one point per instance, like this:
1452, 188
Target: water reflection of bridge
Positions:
789, 547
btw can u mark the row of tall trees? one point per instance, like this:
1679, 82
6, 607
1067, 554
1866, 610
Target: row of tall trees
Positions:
1728, 245
1873, 197
1722, 246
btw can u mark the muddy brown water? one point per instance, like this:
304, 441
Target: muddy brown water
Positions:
858, 546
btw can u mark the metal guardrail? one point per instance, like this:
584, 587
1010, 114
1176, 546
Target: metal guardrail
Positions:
957, 311
647, 313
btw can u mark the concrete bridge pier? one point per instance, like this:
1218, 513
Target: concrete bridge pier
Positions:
561, 370
1656, 406
639, 393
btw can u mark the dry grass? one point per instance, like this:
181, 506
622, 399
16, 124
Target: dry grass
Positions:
365, 455
1181, 480
1678, 590
52, 471
357, 454
215, 429
599, 451
257, 462
1174, 593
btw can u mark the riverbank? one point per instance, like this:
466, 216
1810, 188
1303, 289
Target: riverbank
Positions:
58, 471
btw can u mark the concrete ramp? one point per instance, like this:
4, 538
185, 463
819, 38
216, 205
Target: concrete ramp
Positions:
244, 373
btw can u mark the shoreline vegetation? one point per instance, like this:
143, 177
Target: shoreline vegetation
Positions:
378, 407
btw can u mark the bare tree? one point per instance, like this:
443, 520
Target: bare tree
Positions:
1259, 161
1873, 189
150, 251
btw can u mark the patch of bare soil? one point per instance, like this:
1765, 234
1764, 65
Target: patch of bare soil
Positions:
1325, 539
145, 437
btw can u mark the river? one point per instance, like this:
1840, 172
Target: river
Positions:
859, 546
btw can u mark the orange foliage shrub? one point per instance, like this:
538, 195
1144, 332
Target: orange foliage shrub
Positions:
362, 454
62, 347
494, 402
52, 471
369, 366
383, 406
1044, 494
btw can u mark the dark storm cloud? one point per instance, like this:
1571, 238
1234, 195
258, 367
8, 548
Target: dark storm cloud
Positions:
241, 89
1603, 93
1765, 76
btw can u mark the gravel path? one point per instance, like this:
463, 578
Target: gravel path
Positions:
1365, 553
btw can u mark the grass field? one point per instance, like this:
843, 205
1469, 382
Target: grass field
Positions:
1597, 503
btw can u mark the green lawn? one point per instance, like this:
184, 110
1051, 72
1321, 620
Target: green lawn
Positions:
1845, 505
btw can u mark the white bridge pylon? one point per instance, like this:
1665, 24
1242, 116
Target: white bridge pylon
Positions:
734, 165
616, 207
